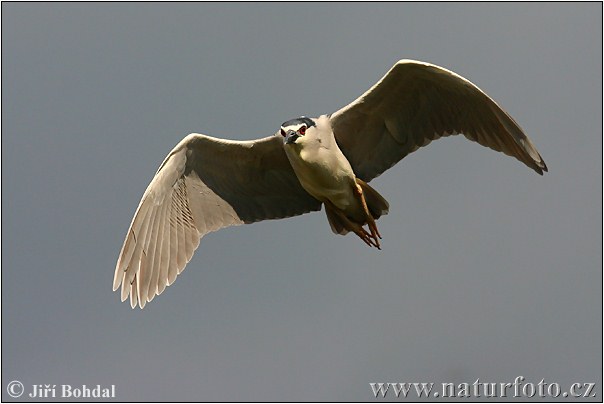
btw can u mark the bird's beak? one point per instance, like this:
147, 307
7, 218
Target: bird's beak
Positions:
291, 137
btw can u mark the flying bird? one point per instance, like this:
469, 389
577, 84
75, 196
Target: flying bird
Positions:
206, 183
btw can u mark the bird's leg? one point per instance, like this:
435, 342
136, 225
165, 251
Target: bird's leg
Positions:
375, 234
352, 226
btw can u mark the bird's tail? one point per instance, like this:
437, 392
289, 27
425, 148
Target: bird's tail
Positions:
377, 205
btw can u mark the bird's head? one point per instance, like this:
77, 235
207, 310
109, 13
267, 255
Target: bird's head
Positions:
295, 129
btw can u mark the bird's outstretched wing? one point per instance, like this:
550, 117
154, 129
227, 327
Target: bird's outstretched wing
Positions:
203, 185
415, 103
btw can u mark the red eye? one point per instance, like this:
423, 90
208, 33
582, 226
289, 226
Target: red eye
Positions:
302, 130
282, 133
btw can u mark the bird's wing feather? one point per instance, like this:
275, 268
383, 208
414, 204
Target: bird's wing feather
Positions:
415, 103
204, 184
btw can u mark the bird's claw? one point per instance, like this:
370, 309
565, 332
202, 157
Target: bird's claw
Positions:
371, 239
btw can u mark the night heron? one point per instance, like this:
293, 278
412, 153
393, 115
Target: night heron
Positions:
206, 183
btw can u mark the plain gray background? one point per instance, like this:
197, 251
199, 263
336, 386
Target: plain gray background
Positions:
487, 270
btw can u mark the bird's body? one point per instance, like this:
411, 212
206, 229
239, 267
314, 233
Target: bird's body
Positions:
309, 163
321, 167
326, 174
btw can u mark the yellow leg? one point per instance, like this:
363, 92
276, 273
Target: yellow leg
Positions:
375, 234
368, 238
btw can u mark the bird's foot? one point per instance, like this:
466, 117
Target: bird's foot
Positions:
369, 238
375, 235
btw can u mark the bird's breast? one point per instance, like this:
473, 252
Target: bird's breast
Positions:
325, 173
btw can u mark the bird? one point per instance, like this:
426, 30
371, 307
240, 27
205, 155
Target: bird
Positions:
207, 183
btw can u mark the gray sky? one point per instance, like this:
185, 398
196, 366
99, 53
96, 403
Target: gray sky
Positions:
487, 270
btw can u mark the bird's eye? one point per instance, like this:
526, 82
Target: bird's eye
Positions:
282, 133
302, 130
